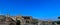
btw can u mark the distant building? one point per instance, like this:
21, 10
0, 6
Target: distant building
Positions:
45, 23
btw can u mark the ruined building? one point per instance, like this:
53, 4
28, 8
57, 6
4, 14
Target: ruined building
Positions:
15, 20
22, 20
6, 20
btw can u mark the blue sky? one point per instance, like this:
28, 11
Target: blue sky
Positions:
40, 9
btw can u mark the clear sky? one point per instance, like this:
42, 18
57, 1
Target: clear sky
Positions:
40, 9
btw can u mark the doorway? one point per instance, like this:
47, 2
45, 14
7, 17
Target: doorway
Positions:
18, 22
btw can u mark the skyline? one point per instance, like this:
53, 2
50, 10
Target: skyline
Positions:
40, 9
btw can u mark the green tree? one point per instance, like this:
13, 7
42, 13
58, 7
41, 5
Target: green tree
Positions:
58, 22
59, 17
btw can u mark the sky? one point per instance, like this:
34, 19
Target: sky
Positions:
39, 9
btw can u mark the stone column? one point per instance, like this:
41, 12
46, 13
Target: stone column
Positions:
22, 21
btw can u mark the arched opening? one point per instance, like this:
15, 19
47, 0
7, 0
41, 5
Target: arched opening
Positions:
18, 22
